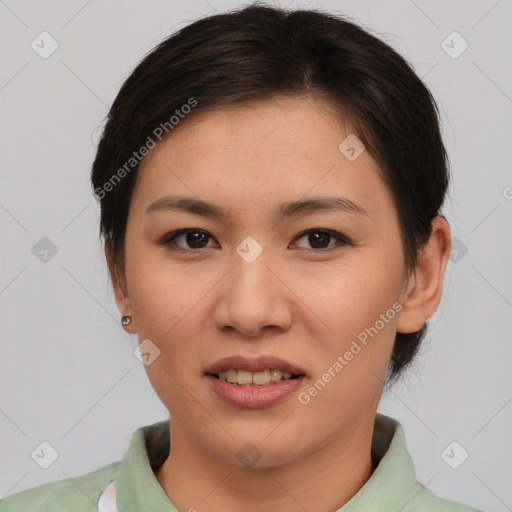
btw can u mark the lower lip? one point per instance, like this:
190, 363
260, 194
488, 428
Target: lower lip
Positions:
254, 397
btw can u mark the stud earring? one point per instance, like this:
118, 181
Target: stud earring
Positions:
125, 320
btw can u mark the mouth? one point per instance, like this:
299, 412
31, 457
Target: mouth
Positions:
260, 371
267, 377
254, 382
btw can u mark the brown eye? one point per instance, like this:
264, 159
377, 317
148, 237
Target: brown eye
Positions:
319, 239
193, 239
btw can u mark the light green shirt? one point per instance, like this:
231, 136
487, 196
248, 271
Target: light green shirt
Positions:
391, 488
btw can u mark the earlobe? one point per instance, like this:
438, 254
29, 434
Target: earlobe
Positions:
120, 291
424, 288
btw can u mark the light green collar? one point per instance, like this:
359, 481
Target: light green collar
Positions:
391, 487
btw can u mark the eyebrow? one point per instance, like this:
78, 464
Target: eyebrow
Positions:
288, 209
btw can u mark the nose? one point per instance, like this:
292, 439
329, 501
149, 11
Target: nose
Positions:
253, 301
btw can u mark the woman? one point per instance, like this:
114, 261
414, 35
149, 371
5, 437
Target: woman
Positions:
270, 186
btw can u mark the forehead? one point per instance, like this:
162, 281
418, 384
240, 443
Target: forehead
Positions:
260, 151
283, 124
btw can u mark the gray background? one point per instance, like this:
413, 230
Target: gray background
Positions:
67, 369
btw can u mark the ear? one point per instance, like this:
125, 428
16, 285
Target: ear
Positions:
424, 286
120, 288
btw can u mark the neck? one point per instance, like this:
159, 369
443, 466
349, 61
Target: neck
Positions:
194, 478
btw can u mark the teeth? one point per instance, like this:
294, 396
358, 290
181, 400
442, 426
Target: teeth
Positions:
261, 378
246, 378
231, 376
275, 375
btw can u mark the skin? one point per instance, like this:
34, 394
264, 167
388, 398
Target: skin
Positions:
200, 305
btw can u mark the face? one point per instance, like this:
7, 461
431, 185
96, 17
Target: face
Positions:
312, 288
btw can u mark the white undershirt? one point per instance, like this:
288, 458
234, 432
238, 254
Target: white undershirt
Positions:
107, 501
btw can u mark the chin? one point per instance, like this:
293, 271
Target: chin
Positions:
255, 451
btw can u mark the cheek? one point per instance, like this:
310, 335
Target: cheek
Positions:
350, 359
170, 309
358, 311
164, 297
349, 298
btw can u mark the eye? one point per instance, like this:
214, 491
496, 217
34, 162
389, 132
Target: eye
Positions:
194, 238
319, 239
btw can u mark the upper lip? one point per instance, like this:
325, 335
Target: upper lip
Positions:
253, 364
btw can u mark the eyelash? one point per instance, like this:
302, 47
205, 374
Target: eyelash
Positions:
340, 239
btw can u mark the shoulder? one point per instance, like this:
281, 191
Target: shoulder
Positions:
426, 501
79, 494
393, 485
